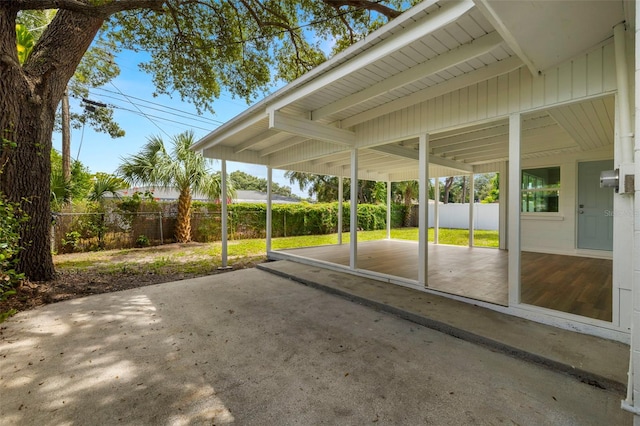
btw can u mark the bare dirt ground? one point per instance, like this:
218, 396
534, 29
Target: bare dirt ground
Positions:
83, 274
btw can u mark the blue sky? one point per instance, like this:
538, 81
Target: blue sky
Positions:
141, 115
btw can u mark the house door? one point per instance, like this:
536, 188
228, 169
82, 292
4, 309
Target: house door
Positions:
595, 207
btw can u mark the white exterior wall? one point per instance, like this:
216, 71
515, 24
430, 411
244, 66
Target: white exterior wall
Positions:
556, 232
587, 76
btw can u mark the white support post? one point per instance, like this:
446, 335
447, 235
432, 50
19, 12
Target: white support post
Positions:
388, 210
340, 199
633, 386
269, 229
515, 132
353, 219
471, 207
436, 210
503, 203
423, 209
223, 205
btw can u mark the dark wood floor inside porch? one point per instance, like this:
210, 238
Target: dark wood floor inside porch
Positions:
577, 285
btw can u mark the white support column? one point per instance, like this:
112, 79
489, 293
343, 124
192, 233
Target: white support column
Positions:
423, 209
388, 210
631, 403
340, 199
471, 207
436, 210
223, 205
515, 132
353, 219
503, 202
269, 208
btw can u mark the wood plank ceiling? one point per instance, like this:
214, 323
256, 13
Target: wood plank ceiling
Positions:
464, 43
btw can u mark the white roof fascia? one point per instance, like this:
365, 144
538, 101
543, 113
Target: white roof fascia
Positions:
456, 83
231, 126
465, 52
239, 123
221, 152
492, 17
449, 13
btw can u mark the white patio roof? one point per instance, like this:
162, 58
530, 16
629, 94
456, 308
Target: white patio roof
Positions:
432, 49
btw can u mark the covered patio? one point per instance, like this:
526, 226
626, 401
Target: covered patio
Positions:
462, 88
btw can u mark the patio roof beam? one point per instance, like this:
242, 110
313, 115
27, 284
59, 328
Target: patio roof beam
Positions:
456, 83
471, 137
471, 50
291, 142
303, 127
413, 154
301, 154
255, 140
448, 13
508, 37
472, 145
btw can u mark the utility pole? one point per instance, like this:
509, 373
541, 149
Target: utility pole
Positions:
66, 140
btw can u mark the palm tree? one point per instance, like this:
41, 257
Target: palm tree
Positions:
182, 169
407, 190
104, 184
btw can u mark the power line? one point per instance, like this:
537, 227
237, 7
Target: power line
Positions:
182, 114
139, 110
151, 103
149, 116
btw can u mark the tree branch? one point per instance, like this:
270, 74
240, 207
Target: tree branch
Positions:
78, 6
367, 5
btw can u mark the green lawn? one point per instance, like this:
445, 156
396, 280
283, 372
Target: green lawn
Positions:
201, 258
458, 237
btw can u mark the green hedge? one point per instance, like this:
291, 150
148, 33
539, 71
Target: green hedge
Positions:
248, 220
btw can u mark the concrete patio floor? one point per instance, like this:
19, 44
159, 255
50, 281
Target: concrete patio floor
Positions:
249, 347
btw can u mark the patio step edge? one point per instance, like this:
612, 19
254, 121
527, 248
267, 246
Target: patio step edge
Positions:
582, 375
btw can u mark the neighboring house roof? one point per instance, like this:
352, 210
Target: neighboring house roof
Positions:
410, 77
242, 196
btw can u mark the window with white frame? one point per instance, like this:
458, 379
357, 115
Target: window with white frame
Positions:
540, 190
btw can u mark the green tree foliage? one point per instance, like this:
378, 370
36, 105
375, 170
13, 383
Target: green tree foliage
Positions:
324, 188
11, 218
105, 184
493, 193
456, 188
181, 168
96, 69
197, 49
76, 189
244, 181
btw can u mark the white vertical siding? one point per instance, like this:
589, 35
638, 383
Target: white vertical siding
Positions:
588, 75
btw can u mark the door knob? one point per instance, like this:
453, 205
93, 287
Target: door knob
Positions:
581, 211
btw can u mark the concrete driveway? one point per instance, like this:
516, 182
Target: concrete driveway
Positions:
250, 348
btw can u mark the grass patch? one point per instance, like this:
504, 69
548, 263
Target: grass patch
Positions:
203, 258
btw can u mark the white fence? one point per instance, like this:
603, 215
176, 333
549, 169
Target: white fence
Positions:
456, 215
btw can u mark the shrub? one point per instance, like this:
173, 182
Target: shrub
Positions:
71, 242
142, 241
11, 218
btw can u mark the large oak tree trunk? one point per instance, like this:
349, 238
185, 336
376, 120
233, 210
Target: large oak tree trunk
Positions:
31, 94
